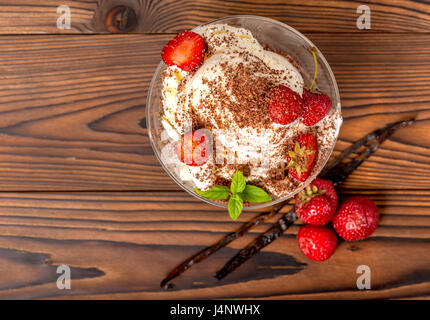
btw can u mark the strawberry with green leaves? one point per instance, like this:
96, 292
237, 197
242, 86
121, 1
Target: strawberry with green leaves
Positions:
302, 157
317, 203
238, 193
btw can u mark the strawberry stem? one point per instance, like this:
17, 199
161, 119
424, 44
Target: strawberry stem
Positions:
313, 49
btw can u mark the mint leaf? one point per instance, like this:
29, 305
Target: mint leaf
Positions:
255, 194
235, 206
238, 183
217, 192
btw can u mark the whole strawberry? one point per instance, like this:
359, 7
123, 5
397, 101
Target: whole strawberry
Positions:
194, 147
328, 189
302, 158
315, 107
185, 51
316, 242
284, 105
317, 203
356, 219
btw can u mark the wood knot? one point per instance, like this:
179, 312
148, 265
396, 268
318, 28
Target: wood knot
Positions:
121, 19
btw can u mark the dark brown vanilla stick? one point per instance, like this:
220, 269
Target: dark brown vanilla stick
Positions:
203, 254
259, 243
337, 172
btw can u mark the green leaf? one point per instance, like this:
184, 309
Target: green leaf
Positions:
217, 192
255, 194
238, 183
235, 206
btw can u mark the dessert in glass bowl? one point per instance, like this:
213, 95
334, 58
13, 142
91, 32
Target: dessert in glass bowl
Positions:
247, 99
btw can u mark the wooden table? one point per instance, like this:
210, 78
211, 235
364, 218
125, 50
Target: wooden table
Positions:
80, 185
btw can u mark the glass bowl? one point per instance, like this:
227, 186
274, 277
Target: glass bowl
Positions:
278, 37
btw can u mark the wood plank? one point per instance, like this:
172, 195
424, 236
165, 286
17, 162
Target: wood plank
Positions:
72, 109
120, 245
35, 16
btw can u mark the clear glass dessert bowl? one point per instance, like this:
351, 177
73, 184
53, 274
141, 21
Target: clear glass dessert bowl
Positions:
274, 36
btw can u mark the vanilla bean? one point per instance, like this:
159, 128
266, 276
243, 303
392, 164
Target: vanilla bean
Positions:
337, 173
203, 254
259, 243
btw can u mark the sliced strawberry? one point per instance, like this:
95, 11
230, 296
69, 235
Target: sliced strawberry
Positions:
185, 51
315, 107
302, 157
284, 105
194, 147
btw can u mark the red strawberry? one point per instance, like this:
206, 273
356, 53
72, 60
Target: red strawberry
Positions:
317, 203
317, 211
316, 242
315, 107
329, 191
301, 159
284, 104
194, 147
185, 51
356, 219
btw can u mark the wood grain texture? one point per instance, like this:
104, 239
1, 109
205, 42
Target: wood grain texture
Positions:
120, 245
80, 185
72, 109
39, 16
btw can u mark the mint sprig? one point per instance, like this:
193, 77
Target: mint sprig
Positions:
217, 192
235, 206
239, 192
255, 194
238, 182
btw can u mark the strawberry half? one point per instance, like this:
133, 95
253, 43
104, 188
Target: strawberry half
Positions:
317, 203
194, 147
284, 105
185, 51
315, 107
302, 157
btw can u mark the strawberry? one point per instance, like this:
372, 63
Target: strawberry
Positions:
315, 107
316, 242
284, 105
185, 51
301, 159
194, 147
317, 211
317, 203
328, 189
356, 219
